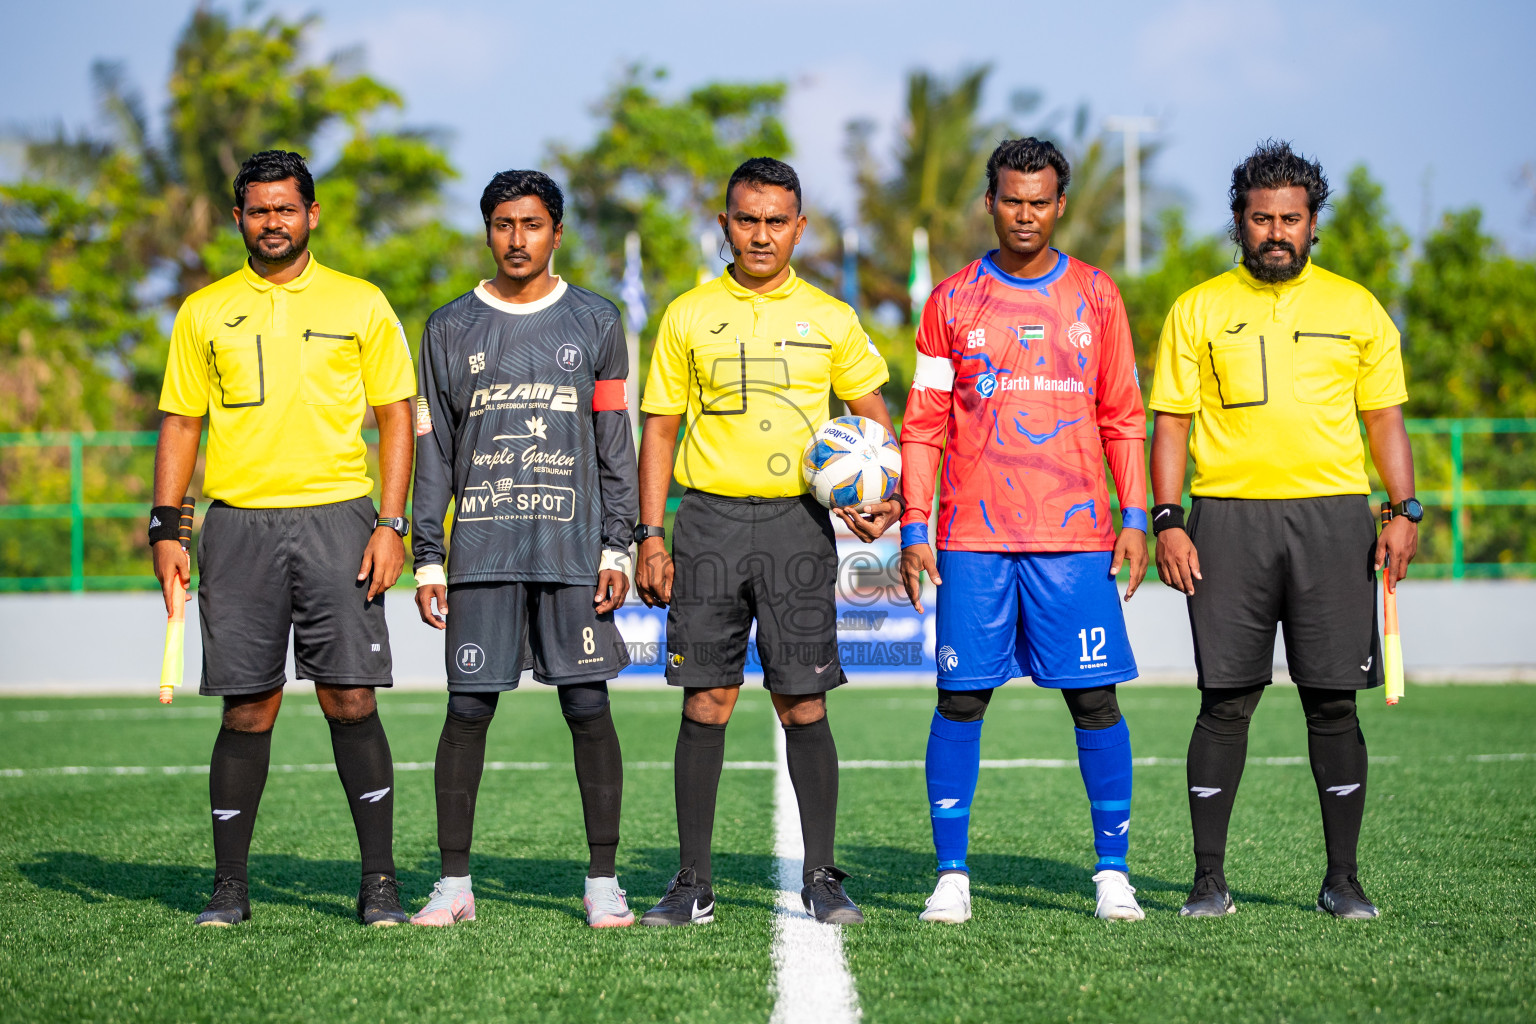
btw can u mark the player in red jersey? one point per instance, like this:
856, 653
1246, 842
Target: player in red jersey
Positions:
1026, 381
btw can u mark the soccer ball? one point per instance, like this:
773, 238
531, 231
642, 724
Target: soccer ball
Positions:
851, 460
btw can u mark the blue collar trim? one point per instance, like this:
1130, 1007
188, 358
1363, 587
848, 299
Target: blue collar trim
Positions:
1054, 274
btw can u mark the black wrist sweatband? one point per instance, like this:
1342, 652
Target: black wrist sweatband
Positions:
164, 523
1167, 517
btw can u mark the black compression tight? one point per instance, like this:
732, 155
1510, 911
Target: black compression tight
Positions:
1092, 707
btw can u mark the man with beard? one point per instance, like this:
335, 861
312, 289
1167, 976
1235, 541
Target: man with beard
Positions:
281, 357
1270, 364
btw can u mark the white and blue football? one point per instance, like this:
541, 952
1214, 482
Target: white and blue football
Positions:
851, 460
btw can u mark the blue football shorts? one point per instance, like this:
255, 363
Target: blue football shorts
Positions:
1053, 617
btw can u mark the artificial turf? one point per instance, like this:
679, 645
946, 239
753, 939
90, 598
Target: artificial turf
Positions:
101, 874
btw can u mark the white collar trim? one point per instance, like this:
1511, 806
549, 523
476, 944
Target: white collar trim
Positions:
521, 308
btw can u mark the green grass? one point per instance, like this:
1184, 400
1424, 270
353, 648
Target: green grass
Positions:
99, 875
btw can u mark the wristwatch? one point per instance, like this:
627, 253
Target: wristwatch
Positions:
1409, 509
399, 524
644, 532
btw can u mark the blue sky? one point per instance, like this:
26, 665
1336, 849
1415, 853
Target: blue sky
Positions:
1438, 99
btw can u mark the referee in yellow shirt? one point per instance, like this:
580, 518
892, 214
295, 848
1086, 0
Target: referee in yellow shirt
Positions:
1270, 364
281, 357
751, 358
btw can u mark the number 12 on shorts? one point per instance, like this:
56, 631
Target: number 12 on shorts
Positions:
1098, 638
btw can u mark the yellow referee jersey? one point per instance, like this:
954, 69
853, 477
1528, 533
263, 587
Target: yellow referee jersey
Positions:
283, 372
753, 374
1274, 375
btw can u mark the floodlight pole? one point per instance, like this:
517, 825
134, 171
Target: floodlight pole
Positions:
1132, 127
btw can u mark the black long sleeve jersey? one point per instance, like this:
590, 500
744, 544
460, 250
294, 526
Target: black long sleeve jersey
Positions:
522, 427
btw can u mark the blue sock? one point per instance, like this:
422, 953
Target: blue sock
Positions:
954, 761
1104, 757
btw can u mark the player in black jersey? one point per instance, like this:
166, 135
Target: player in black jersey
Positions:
522, 426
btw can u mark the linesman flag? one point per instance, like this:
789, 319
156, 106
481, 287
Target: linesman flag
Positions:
920, 280
632, 288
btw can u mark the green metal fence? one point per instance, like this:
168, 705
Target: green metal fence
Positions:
1443, 488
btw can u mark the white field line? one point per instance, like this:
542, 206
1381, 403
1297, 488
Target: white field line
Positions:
811, 982
751, 766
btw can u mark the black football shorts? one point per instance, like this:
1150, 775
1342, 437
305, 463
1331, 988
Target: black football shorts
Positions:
736, 560
496, 629
1304, 563
266, 571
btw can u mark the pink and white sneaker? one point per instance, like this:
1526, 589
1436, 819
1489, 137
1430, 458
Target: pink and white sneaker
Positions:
452, 901
606, 904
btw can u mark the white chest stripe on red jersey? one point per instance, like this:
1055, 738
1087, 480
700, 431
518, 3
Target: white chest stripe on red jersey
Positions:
933, 372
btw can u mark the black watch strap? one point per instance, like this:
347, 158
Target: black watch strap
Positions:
1410, 509
644, 532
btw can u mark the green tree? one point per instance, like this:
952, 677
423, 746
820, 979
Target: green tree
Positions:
659, 167
937, 183
107, 235
1470, 319
938, 180
1469, 343
1359, 239
1181, 263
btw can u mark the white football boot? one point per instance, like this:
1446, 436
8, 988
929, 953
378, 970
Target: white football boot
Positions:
1116, 897
951, 899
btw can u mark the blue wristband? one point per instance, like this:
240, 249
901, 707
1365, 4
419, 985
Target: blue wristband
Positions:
914, 533
1134, 519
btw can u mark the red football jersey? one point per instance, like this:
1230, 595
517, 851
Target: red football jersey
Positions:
1025, 384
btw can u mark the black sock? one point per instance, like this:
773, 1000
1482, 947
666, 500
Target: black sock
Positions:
1336, 748
368, 775
812, 757
456, 778
1217, 750
696, 779
237, 773
600, 774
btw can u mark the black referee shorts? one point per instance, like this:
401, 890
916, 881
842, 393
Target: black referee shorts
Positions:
739, 559
497, 629
1304, 563
266, 571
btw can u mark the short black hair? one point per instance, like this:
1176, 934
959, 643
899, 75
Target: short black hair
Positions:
274, 165
1028, 156
765, 170
509, 185
1275, 165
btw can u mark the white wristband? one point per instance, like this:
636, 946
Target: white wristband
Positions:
618, 560
430, 576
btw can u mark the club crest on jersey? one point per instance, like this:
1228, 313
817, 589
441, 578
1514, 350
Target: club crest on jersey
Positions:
802, 327
948, 660
1080, 335
569, 357
986, 384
